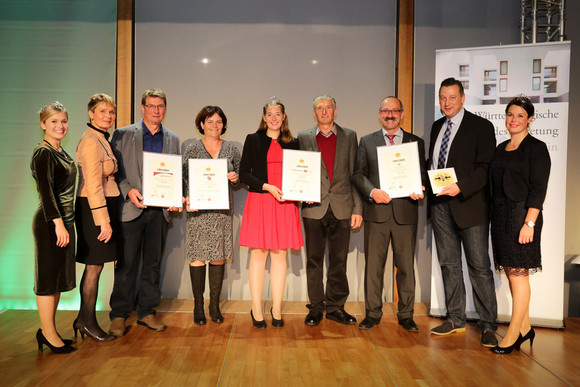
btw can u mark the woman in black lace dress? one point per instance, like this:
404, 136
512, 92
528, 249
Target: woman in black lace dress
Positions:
519, 180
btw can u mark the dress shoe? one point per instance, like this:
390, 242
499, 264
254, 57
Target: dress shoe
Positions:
275, 322
117, 327
506, 350
341, 316
258, 324
313, 318
531, 335
41, 340
152, 322
447, 328
488, 339
368, 323
409, 325
94, 332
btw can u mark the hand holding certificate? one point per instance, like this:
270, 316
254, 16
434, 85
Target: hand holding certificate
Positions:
162, 180
208, 184
399, 169
301, 175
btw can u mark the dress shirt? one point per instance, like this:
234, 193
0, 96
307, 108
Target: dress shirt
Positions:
333, 130
398, 139
456, 120
152, 142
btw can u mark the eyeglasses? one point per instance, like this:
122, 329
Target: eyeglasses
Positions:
390, 111
155, 107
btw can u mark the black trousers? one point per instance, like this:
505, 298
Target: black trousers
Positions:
143, 241
319, 233
377, 237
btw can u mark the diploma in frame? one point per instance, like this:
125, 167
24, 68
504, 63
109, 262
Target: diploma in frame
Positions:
208, 184
441, 178
400, 169
162, 183
301, 175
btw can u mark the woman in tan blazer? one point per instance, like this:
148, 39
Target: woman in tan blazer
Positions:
96, 210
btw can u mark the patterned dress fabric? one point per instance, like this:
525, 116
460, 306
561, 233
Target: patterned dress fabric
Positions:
209, 234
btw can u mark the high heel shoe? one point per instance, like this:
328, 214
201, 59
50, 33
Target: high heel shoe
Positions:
275, 322
41, 340
258, 324
97, 335
506, 350
531, 335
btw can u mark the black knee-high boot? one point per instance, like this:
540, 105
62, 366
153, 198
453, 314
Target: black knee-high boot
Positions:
216, 279
197, 274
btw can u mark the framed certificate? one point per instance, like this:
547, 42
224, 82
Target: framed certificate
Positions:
400, 169
441, 178
162, 186
301, 175
208, 184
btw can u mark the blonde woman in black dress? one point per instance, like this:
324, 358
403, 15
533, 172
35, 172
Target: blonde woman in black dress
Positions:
519, 178
53, 224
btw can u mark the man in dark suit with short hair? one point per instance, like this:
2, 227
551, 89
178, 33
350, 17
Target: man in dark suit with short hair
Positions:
330, 221
388, 220
460, 213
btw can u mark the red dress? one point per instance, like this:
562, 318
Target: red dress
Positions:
267, 223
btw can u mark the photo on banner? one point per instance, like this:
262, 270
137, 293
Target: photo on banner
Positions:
491, 77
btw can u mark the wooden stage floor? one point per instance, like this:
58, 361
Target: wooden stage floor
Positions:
236, 354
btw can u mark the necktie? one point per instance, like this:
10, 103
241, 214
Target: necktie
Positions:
391, 137
444, 145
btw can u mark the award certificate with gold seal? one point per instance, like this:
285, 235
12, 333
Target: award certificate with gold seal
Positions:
441, 178
301, 175
400, 169
208, 184
162, 180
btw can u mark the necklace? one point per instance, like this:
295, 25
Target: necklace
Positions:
52, 146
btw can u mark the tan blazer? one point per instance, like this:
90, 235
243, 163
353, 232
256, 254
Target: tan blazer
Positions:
97, 164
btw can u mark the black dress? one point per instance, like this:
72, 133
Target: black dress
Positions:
507, 219
55, 174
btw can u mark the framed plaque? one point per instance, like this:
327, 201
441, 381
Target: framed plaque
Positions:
208, 184
400, 169
301, 175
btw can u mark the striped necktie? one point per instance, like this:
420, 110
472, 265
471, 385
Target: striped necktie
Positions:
444, 146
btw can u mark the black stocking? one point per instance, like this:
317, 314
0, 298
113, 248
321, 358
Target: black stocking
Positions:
89, 289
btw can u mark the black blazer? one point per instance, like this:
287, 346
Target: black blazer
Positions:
525, 178
366, 178
254, 163
470, 154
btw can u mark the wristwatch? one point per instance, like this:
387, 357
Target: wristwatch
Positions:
530, 224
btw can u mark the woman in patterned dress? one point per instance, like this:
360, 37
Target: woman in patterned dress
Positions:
209, 232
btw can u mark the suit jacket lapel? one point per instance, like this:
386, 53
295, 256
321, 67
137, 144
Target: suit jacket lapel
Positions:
379, 138
341, 147
138, 141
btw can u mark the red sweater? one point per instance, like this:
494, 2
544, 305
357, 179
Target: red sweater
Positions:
327, 147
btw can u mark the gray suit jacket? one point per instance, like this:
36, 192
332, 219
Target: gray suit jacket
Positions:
341, 195
127, 143
366, 178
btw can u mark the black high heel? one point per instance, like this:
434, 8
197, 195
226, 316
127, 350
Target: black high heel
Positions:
258, 324
41, 340
531, 335
97, 336
507, 350
276, 323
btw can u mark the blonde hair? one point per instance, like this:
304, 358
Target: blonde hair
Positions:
96, 99
50, 110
